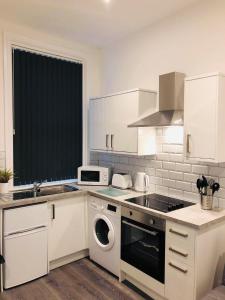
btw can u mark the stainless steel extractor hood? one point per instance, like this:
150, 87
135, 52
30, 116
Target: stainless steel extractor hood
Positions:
171, 103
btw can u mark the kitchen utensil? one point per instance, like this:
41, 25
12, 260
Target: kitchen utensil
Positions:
211, 182
204, 185
204, 181
141, 182
215, 187
199, 185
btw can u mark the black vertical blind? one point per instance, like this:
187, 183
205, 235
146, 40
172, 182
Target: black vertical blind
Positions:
47, 142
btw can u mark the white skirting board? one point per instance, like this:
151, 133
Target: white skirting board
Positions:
68, 259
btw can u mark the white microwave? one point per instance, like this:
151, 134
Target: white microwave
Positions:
93, 175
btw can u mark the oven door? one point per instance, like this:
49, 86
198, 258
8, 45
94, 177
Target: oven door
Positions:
143, 247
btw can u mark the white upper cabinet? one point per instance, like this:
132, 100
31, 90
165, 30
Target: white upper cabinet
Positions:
204, 117
109, 119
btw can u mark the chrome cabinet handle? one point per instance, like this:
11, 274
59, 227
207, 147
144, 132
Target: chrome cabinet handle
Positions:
185, 235
178, 252
53, 211
107, 141
188, 143
112, 139
177, 268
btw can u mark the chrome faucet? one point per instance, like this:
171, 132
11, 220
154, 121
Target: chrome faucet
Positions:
36, 186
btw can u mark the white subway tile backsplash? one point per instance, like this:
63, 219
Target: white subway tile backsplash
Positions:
161, 173
190, 177
175, 175
92, 162
150, 171
220, 193
222, 182
169, 183
194, 188
183, 167
219, 202
168, 165
162, 156
198, 169
217, 171
124, 159
184, 186
192, 197
175, 193
155, 180
170, 172
159, 132
176, 157
172, 148
163, 190
154, 164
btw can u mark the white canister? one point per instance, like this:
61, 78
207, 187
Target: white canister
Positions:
4, 188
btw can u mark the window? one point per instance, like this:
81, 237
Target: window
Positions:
47, 142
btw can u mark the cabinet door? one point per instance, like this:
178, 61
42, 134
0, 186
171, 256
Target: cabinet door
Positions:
200, 108
179, 282
124, 110
98, 125
67, 227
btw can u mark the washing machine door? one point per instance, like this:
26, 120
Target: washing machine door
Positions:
103, 232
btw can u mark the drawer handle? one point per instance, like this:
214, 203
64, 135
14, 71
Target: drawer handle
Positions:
53, 211
112, 138
178, 268
107, 141
188, 143
185, 235
178, 252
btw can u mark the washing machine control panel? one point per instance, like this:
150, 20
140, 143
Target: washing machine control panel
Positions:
111, 207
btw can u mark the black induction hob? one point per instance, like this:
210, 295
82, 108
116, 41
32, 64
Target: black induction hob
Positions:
159, 202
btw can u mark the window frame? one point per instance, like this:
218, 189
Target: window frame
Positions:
14, 41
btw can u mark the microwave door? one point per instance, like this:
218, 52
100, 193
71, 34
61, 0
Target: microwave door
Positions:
90, 176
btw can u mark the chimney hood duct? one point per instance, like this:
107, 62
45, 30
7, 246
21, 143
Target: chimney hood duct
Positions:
171, 103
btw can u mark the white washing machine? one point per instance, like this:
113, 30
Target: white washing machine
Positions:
104, 223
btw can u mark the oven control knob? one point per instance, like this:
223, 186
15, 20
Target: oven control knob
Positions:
151, 222
131, 213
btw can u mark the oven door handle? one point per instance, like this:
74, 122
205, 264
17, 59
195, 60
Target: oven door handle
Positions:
154, 233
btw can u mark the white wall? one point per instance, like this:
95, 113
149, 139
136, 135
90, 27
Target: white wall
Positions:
91, 55
191, 41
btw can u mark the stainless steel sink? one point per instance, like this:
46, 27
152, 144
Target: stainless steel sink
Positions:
44, 191
58, 189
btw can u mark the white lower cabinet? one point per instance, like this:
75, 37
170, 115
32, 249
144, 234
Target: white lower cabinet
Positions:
67, 227
180, 282
193, 259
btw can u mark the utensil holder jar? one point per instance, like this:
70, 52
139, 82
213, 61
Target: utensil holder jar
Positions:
207, 202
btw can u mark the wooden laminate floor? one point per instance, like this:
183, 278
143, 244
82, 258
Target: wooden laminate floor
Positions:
78, 280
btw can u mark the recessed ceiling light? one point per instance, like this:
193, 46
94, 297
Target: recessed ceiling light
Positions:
107, 1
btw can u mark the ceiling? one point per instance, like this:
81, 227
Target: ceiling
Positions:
97, 22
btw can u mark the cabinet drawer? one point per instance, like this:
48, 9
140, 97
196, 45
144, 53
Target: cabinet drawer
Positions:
180, 253
179, 281
180, 243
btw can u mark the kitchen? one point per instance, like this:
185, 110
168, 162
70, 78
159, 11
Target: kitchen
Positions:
121, 69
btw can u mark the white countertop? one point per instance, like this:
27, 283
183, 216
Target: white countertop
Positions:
192, 216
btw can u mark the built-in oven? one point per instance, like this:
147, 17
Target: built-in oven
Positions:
143, 242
